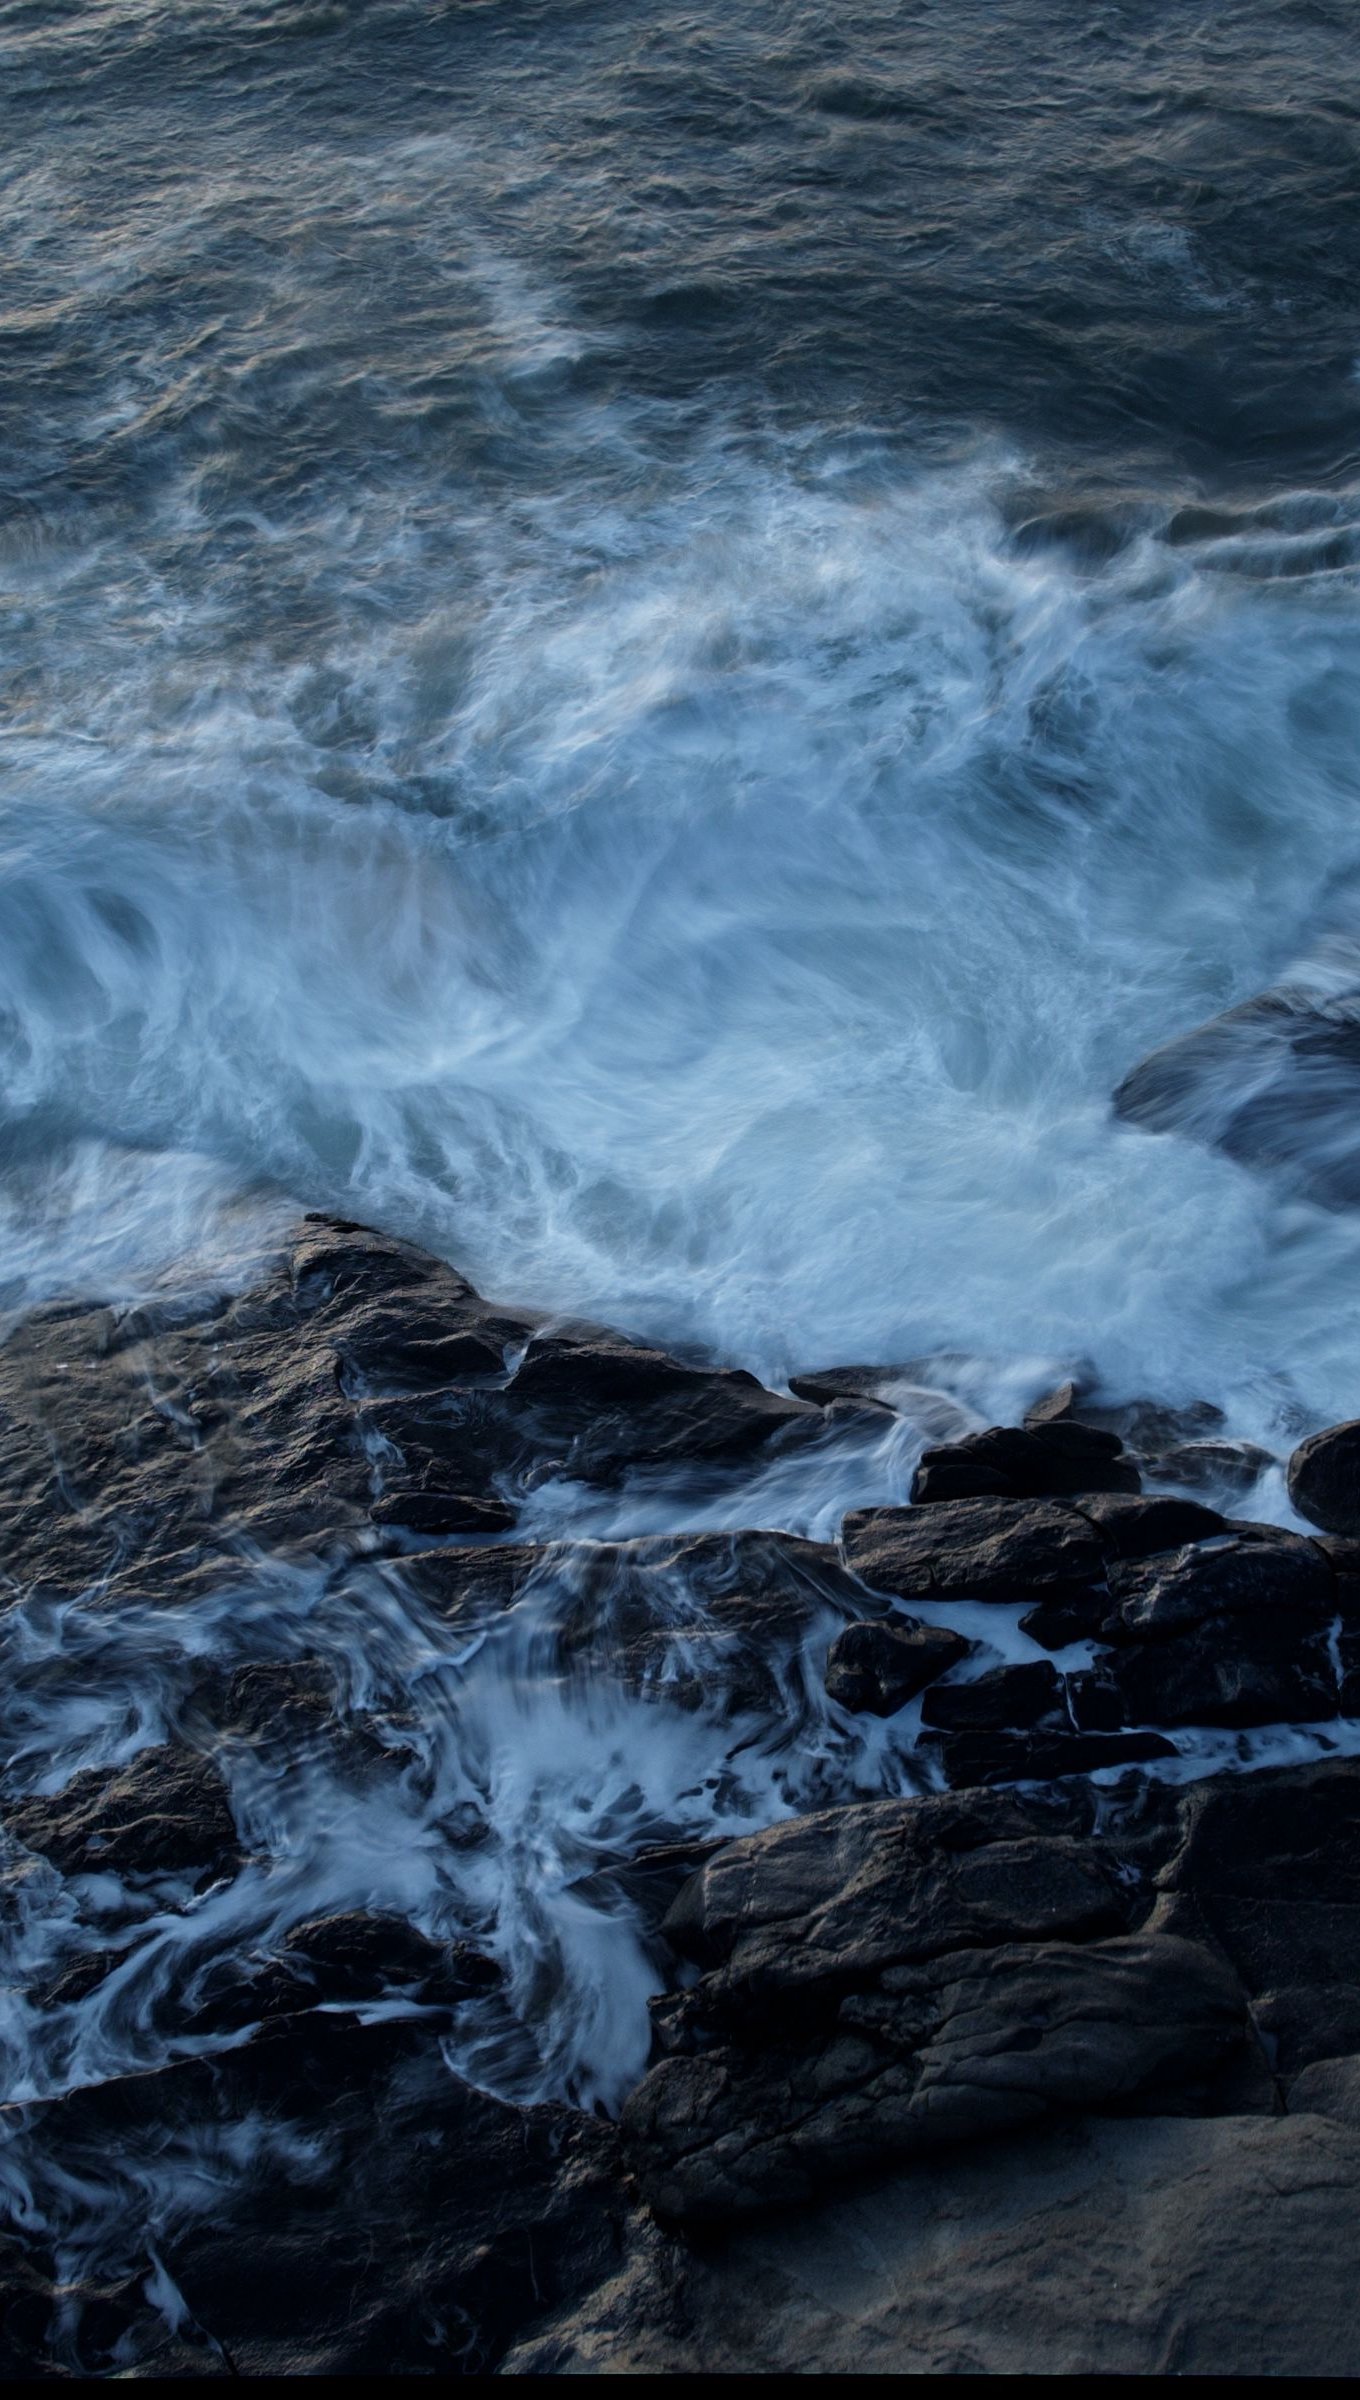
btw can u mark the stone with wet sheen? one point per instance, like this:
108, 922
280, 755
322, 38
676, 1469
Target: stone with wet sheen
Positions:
1324, 1479
1012, 1462
166, 1813
980, 1549
876, 1668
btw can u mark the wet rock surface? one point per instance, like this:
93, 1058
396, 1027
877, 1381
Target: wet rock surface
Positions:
1274, 1082
980, 1549
879, 1667
360, 1383
901, 1977
1324, 1479
458, 2221
1019, 1463
277, 1563
164, 1814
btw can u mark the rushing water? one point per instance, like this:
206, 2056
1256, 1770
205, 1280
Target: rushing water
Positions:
652, 645
535, 703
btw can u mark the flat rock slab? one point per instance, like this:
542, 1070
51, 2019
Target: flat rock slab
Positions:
1165, 2246
956, 2048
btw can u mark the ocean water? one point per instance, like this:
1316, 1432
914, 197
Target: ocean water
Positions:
651, 645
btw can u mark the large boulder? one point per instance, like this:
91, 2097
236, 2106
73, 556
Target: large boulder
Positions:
1258, 1569
984, 1549
886, 1978
1324, 1479
948, 2051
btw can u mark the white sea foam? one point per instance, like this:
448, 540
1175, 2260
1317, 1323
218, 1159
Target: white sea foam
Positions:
726, 913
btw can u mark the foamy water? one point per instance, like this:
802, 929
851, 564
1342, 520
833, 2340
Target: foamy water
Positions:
809, 866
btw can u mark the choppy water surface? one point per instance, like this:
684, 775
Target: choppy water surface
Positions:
653, 645
535, 703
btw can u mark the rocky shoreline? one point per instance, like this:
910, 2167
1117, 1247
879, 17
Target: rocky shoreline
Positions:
989, 2074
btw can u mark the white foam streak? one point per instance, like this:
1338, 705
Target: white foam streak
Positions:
804, 868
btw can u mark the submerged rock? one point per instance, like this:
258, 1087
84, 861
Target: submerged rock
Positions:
1274, 1083
164, 1814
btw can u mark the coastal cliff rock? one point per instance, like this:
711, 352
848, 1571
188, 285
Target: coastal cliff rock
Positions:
308, 1512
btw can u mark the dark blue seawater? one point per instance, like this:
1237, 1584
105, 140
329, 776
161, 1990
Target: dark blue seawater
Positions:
654, 644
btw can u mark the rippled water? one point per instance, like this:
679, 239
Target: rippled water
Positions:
536, 705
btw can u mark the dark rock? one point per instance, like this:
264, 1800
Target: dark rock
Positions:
1348, 1653
270, 1700
721, 1619
1145, 1427
943, 2052
1302, 2022
1328, 2088
1274, 1083
1343, 1557
1273, 1863
919, 1388
975, 1549
165, 1813
145, 1451
614, 1408
1221, 1466
445, 1441
409, 2224
829, 1900
471, 1586
977, 1757
1258, 1568
1075, 1618
1023, 1695
442, 1512
1008, 1462
829, 1384
391, 1356
1324, 1479
876, 1668
1137, 1528
1061, 1406
1226, 1671
363, 1955
1104, 2247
